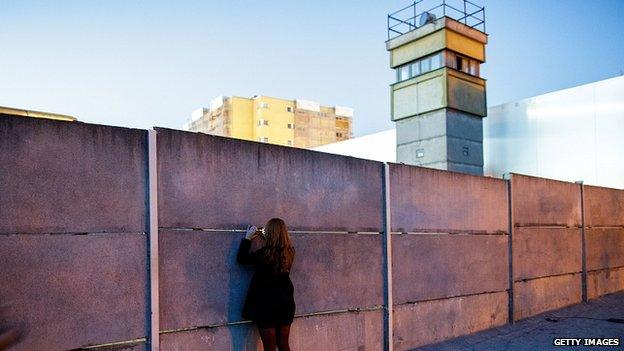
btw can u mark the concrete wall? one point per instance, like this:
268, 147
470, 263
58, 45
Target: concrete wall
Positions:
466, 93
443, 139
72, 233
449, 254
421, 94
438, 89
332, 205
546, 244
74, 242
604, 239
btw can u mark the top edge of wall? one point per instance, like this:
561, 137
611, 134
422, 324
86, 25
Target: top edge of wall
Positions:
454, 173
265, 145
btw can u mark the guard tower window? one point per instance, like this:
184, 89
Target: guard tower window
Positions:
466, 67
425, 65
415, 69
418, 67
403, 73
474, 68
463, 64
436, 61
459, 63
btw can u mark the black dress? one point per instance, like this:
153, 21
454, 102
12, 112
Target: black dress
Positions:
270, 301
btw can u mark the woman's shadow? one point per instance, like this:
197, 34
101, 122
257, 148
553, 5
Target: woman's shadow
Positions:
243, 336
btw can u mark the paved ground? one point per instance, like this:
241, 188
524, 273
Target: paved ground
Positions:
537, 333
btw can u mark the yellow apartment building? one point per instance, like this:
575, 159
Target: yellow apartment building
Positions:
16, 112
298, 123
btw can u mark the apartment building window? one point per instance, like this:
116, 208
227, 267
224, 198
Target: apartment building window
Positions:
263, 139
263, 105
339, 135
291, 126
288, 109
263, 122
289, 142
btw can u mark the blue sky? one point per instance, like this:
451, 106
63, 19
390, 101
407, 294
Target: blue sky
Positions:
151, 63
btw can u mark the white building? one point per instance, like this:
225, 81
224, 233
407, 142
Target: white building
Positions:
572, 134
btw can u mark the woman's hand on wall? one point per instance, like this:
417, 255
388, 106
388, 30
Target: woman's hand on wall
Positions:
251, 231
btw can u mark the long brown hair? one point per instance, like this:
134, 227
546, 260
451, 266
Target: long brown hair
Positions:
279, 251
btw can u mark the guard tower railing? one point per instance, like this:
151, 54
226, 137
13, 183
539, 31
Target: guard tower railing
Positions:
420, 13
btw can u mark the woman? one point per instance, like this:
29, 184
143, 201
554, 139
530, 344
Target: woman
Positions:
270, 303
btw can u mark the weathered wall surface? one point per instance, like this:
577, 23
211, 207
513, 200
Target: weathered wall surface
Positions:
343, 331
425, 199
333, 205
450, 258
75, 257
71, 177
546, 245
604, 238
434, 321
211, 182
72, 233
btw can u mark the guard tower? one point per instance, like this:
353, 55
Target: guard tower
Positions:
438, 100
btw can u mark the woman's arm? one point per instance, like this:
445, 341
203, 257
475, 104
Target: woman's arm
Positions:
244, 256
250, 241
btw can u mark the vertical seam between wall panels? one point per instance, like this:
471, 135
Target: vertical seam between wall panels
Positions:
154, 338
389, 344
583, 247
510, 306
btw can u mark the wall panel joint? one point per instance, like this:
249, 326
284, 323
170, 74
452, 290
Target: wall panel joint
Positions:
387, 243
154, 308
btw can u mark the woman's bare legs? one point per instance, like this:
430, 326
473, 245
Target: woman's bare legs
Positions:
282, 338
268, 336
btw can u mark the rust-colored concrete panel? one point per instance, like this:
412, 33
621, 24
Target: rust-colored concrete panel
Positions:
70, 291
430, 322
341, 331
540, 201
201, 283
605, 248
222, 183
540, 252
424, 199
337, 271
433, 266
603, 206
71, 177
541, 295
604, 282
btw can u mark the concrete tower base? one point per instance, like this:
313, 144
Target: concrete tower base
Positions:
444, 139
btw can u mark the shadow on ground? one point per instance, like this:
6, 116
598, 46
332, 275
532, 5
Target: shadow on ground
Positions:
599, 318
